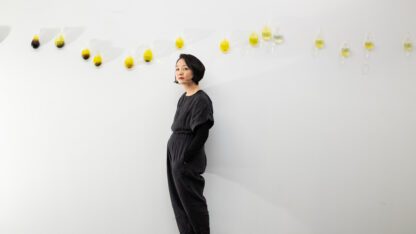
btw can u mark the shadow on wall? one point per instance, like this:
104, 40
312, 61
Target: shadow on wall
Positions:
4, 32
105, 48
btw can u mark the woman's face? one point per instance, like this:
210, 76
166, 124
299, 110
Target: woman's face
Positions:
183, 74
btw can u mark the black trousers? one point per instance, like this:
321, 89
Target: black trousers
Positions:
186, 186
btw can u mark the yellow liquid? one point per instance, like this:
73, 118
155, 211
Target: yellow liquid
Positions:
266, 33
319, 43
345, 52
60, 41
129, 62
179, 43
148, 55
97, 60
369, 45
85, 54
224, 45
278, 39
408, 46
253, 39
35, 42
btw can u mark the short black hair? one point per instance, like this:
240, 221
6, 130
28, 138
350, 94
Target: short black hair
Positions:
197, 67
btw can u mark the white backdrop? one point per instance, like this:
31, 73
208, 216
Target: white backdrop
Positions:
301, 143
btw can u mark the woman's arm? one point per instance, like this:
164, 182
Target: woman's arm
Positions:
198, 141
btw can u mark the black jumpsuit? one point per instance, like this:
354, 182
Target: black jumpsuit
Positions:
186, 183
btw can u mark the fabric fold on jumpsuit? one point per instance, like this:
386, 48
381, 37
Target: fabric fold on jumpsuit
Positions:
185, 180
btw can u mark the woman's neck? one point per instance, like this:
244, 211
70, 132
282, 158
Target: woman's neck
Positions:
191, 89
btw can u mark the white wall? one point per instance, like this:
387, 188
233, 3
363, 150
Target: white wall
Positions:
301, 144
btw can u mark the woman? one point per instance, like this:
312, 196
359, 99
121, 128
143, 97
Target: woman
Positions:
186, 159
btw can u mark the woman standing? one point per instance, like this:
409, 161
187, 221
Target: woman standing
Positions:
186, 159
